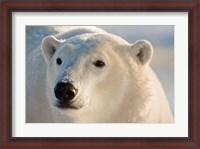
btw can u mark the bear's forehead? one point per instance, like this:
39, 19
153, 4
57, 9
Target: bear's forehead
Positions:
78, 44
92, 40
91, 43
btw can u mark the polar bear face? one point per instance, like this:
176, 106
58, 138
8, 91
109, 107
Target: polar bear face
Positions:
91, 71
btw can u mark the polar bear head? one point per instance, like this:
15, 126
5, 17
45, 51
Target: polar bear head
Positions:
94, 73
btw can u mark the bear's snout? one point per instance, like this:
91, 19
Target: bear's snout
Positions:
65, 92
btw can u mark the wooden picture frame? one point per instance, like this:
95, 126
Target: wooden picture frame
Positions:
9, 6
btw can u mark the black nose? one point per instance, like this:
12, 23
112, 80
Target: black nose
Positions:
65, 91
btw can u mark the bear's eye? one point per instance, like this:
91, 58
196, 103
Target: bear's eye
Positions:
99, 63
58, 61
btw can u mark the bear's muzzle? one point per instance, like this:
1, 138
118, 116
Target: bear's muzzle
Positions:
65, 92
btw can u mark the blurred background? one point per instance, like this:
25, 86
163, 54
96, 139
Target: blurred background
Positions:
160, 36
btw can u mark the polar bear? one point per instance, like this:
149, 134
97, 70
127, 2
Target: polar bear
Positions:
87, 75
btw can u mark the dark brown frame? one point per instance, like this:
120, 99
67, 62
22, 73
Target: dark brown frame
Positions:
9, 6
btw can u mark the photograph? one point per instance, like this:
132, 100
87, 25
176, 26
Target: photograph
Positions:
100, 74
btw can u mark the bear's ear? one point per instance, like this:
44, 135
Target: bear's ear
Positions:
49, 45
143, 51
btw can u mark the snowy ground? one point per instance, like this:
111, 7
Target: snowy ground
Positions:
161, 37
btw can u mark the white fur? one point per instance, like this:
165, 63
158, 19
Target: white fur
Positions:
125, 90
